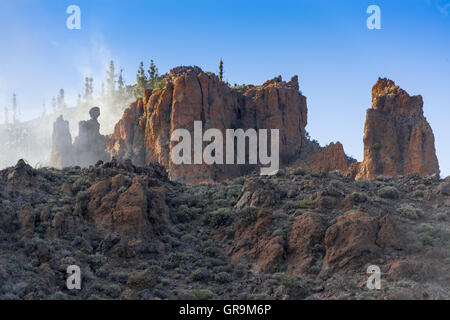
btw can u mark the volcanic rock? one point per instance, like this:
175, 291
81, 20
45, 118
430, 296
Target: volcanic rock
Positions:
397, 137
62, 155
143, 134
89, 146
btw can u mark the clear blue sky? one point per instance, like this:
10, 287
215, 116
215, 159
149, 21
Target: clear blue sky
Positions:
326, 43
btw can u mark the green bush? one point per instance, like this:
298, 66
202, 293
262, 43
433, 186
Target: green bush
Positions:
377, 146
81, 184
300, 204
220, 217
247, 215
410, 212
203, 294
305, 204
222, 277
113, 290
299, 172
388, 193
200, 274
426, 238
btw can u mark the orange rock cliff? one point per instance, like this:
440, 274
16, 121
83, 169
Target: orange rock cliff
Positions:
397, 138
143, 134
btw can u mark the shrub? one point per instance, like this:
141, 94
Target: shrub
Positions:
247, 215
199, 274
418, 194
410, 212
81, 184
83, 196
184, 214
113, 290
222, 277
300, 204
122, 189
388, 193
305, 204
96, 261
441, 216
299, 172
260, 296
203, 294
233, 192
359, 197
8, 205
219, 217
377, 146
426, 238
102, 272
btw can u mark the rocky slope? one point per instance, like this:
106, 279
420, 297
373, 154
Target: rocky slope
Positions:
297, 235
143, 134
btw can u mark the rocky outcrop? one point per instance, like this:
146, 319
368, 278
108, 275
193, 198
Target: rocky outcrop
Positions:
89, 146
328, 158
21, 177
143, 134
61, 155
132, 209
397, 137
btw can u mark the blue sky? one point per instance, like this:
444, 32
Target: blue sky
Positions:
326, 43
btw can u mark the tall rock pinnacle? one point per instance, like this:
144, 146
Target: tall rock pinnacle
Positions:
397, 137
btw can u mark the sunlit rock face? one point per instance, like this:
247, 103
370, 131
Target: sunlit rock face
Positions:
397, 137
143, 134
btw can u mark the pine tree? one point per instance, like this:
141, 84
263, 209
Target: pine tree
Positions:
61, 104
44, 111
91, 87
221, 70
54, 105
102, 91
120, 81
153, 74
120, 86
141, 81
14, 108
6, 116
111, 80
86, 88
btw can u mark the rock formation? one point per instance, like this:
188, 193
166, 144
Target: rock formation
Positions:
328, 158
89, 146
62, 155
397, 137
143, 134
